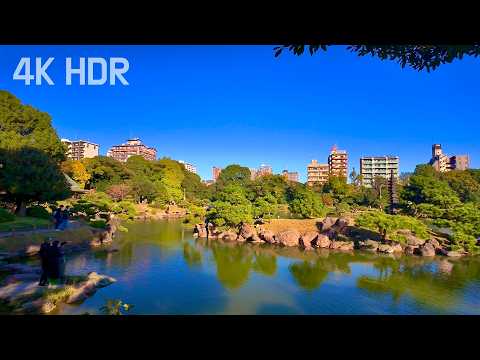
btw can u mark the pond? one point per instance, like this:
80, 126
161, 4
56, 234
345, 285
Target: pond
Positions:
162, 269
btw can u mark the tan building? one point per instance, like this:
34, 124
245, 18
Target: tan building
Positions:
338, 162
130, 148
261, 171
290, 176
216, 173
80, 149
443, 163
317, 173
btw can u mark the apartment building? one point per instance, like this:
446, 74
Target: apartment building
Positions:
261, 171
443, 163
373, 166
338, 162
80, 149
188, 166
317, 173
216, 173
290, 176
130, 148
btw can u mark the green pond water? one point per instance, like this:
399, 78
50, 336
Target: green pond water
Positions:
162, 269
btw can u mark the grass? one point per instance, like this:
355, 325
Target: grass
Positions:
301, 225
25, 223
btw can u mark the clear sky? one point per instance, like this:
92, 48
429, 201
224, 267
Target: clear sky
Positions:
217, 105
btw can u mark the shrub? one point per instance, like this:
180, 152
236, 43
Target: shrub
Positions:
6, 216
38, 212
98, 224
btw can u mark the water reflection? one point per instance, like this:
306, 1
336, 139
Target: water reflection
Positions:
258, 278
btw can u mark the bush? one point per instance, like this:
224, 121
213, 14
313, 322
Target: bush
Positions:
98, 224
6, 216
38, 212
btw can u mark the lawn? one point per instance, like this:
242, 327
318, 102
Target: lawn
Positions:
301, 225
25, 223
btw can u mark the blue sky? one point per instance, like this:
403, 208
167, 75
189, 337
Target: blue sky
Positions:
217, 105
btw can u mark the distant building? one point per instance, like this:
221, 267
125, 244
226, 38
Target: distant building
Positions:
443, 163
130, 148
373, 166
80, 149
338, 162
317, 173
290, 176
261, 171
216, 172
189, 167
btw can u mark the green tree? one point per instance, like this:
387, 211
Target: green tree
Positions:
304, 202
233, 173
142, 189
105, 171
230, 207
419, 57
30, 175
24, 126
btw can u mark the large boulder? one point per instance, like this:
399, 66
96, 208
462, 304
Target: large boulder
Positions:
255, 239
307, 239
268, 236
89, 287
369, 245
386, 249
327, 223
434, 242
342, 245
414, 241
200, 230
410, 250
288, 238
247, 231
228, 235
322, 241
240, 238
427, 250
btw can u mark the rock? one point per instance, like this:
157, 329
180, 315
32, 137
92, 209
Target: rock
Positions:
89, 287
256, 239
20, 269
328, 222
434, 242
410, 250
414, 241
397, 247
384, 248
200, 230
427, 250
240, 238
322, 241
454, 254
247, 231
307, 239
369, 245
441, 251
32, 250
228, 236
38, 306
288, 238
341, 245
341, 223
331, 233
268, 236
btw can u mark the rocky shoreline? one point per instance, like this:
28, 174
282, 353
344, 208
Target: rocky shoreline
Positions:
335, 234
19, 290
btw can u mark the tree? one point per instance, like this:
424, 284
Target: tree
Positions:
142, 189
24, 126
264, 207
306, 203
418, 57
193, 186
233, 173
76, 170
118, 192
230, 207
105, 171
30, 175
338, 188
465, 185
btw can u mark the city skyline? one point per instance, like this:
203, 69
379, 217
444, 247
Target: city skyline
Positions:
219, 105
